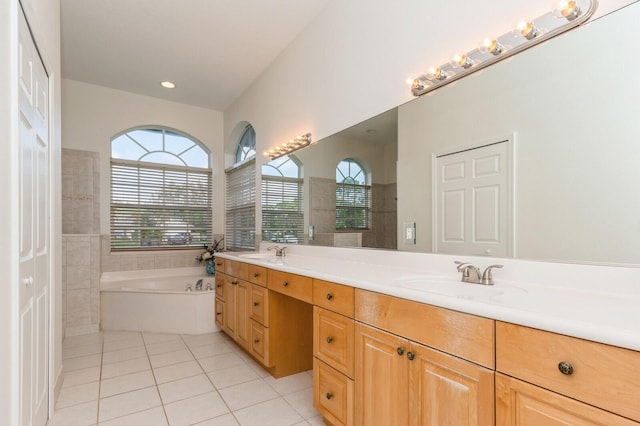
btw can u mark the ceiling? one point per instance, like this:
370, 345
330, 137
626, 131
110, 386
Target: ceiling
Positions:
212, 49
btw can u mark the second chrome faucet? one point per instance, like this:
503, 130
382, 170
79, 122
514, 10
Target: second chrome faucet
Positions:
471, 273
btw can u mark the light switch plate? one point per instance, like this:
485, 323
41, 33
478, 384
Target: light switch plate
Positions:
409, 232
312, 232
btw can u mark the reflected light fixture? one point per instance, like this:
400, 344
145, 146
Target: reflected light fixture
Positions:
289, 147
566, 15
168, 84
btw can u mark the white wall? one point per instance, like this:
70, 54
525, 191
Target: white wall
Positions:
44, 18
94, 114
573, 103
352, 62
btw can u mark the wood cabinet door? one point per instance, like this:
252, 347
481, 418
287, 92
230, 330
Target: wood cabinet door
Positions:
446, 390
229, 317
259, 304
220, 308
522, 404
242, 312
381, 378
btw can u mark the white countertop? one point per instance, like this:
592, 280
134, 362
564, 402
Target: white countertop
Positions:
599, 303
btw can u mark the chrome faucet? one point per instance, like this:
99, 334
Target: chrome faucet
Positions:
279, 250
199, 285
471, 273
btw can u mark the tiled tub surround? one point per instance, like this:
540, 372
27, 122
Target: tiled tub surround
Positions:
598, 303
156, 301
131, 378
80, 284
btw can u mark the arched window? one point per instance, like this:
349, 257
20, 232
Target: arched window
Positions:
353, 196
282, 201
160, 190
241, 195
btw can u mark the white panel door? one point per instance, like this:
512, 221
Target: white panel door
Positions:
34, 241
472, 202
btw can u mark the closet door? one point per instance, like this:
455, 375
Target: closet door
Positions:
33, 282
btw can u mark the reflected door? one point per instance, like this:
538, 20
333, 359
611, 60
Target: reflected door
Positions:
472, 202
33, 285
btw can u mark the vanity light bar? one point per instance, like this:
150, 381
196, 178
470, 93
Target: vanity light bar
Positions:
568, 14
288, 147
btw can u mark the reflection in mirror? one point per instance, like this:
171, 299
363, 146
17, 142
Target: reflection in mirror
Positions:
571, 105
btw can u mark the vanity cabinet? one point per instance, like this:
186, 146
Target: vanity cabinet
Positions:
236, 316
411, 369
548, 378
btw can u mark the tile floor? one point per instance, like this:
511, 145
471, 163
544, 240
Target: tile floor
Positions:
129, 378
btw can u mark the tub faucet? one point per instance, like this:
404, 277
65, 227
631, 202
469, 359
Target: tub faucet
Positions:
471, 274
279, 250
199, 285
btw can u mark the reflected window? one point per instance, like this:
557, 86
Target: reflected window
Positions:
161, 187
240, 193
282, 201
353, 196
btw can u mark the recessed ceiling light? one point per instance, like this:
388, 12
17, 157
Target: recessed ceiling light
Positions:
168, 84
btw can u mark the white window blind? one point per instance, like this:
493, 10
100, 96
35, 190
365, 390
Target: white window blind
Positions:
353, 206
241, 207
282, 210
156, 205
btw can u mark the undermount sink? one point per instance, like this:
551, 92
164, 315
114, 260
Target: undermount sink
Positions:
446, 286
256, 255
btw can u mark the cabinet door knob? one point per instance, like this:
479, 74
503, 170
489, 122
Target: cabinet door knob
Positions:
256, 275
256, 303
329, 339
234, 282
329, 395
565, 368
329, 296
218, 313
256, 340
285, 284
218, 285
400, 351
411, 356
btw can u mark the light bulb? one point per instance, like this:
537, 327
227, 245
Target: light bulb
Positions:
417, 84
436, 74
527, 30
491, 46
567, 9
461, 61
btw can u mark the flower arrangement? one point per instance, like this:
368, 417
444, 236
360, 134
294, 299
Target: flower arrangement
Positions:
208, 253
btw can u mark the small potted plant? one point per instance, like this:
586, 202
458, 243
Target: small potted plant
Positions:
208, 256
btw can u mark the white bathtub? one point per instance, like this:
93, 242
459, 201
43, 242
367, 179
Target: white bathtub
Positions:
156, 301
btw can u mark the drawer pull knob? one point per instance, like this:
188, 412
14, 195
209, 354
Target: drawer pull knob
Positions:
256, 303
256, 275
329, 339
218, 313
285, 284
565, 368
234, 282
256, 340
329, 296
329, 395
411, 356
218, 285
400, 351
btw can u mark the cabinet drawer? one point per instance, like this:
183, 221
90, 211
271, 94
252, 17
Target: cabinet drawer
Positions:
257, 274
463, 335
602, 375
236, 269
260, 343
259, 305
335, 297
519, 403
332, 394
292, 285
333, 339
219, 264
220, 286
219, 308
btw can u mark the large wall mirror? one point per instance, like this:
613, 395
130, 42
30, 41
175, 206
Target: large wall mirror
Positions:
569, 109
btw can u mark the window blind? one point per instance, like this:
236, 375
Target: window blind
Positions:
282, 210
353, 206
159, 205
241, 207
